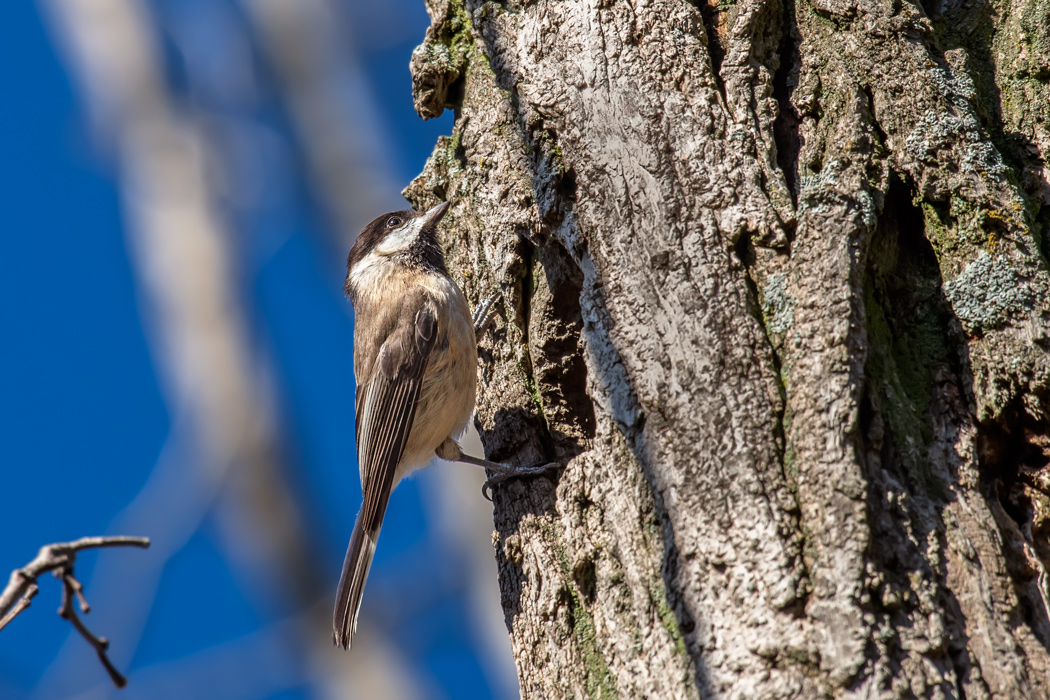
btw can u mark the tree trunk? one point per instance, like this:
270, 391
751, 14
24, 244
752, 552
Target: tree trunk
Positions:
775, 290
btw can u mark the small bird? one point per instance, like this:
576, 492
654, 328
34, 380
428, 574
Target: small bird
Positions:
415, 362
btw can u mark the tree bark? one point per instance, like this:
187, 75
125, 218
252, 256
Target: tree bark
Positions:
776, 290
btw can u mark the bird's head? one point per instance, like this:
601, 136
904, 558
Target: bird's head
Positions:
405, 237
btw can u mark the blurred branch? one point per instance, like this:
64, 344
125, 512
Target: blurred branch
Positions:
224, 442
224, 453
60, 558
326, 95
185, 259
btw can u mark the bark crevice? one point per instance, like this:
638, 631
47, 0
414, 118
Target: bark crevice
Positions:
714, 15
1014, 453
769, 314
786, 126
913, 388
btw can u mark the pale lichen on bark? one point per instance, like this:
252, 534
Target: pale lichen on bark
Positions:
774, 291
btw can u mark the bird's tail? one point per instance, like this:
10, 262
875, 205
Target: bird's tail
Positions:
352, 581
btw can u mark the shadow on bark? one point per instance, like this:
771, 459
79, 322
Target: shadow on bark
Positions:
918, 401
787, 124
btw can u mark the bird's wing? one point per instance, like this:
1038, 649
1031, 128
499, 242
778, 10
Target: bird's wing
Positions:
386, 407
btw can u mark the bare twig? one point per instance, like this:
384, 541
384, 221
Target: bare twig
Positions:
59, 558
31, 590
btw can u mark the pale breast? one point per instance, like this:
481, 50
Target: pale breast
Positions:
446, 399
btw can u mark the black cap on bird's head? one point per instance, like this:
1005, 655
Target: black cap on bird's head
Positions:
408, 234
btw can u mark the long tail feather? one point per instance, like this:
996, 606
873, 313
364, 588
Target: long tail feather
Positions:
352, 581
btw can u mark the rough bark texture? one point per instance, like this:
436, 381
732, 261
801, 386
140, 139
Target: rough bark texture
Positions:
775, 290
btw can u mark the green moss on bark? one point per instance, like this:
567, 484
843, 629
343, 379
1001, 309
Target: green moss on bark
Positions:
599, 681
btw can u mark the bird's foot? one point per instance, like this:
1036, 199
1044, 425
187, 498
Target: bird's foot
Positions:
484, 315
451, 451
506, 472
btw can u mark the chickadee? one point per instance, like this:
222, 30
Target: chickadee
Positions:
415, 362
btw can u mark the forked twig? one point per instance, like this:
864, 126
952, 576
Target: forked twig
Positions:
59, 558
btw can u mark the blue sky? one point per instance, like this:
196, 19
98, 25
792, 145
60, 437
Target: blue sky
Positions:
83, 421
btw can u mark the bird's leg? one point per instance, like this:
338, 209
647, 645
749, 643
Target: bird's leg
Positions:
484, 315
449, 450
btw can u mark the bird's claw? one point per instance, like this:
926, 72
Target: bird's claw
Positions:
484, 314
499, 478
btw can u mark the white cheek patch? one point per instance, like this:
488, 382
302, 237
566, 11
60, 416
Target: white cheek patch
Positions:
401, 239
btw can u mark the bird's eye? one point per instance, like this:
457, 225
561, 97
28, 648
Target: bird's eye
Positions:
393, 222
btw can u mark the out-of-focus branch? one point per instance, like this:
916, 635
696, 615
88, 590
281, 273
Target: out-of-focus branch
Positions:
184, 254
185, 259
226, 453
60, 558
326, 96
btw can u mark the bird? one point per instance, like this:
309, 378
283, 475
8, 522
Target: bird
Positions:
415, 363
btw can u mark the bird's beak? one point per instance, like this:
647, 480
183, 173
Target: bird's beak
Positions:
435, 214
